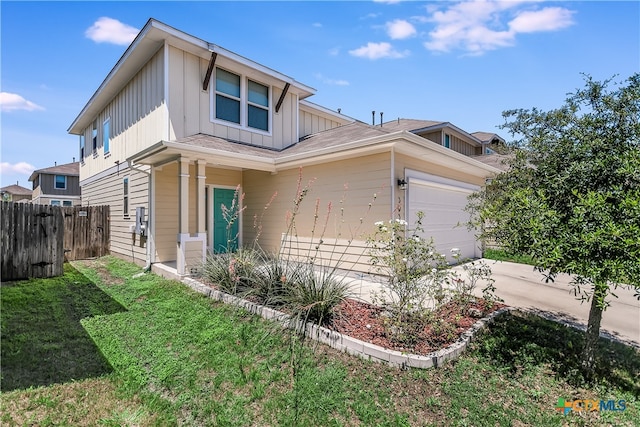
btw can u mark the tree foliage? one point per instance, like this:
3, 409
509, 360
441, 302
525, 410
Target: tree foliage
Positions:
571, 196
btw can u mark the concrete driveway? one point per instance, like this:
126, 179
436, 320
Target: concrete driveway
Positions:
522, 287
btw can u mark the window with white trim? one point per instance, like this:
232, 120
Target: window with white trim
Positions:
54, 202
82, 148
125, 197
227, 96
60, 182
241, 101
258, 106
94, 138
106, 135
67, 203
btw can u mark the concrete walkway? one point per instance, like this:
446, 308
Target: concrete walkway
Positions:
522, 287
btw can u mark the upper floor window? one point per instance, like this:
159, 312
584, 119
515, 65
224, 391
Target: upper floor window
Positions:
241, 101
105, 135
227, 96
94, 138
447, 141
60, 182
258, 106
82, 148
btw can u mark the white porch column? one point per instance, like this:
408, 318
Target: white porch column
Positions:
200, 200
201, 196
183, 215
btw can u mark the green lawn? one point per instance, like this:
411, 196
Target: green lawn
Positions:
99, 347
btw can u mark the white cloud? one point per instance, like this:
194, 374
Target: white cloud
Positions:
400, 29
109, 30
377, 51
481, 26
316, 25
23, 168
387, 1
13, 101
332, 82
547, 19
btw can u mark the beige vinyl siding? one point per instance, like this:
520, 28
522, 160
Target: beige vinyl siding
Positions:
166, 202
109, 191
190, 106
311, 123
136, 116
349, 185
403, 162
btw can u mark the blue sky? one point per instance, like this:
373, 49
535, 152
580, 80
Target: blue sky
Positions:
462, 62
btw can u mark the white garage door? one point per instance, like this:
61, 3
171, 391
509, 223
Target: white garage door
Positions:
442, 201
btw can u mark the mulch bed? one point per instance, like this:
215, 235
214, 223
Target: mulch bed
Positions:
366, 322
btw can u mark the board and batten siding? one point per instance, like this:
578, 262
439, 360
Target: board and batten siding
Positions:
349, 185
137, 119
190, 105
109, 190
311, 123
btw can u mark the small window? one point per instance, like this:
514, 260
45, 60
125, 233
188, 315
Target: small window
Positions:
94, 138
125, 199
60, 182
67, 203
227, 96
258, 106
55, 203
81, 148
447, 142
105, 135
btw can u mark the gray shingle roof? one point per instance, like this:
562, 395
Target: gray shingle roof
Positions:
409, 124
68, 169
17, 190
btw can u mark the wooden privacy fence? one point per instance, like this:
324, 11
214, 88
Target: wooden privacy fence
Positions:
86, 231
32, 241
37, 238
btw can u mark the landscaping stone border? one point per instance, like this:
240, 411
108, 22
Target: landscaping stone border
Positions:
351, 345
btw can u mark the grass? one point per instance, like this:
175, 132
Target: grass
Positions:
173, 357
502, 255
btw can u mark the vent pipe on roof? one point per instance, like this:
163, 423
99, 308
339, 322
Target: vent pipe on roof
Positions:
339, 110
373, 118
55, 163
381, 118
74, 159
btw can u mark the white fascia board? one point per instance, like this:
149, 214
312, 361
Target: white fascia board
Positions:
246, 161
125, 56
449, 125
261, 68
430, 145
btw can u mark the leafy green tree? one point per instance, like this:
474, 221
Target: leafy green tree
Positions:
571, 196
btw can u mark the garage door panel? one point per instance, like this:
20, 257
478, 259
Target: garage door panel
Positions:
444, 216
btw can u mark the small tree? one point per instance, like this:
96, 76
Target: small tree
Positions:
571, 196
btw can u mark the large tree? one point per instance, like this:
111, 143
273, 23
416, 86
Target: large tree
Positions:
571, 195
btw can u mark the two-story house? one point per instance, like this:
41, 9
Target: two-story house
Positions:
179, 124
58, 185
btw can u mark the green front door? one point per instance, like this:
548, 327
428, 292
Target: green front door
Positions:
225, 226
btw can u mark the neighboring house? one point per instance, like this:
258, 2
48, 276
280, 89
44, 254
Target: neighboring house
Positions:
180, 123
15, 193
57, 185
